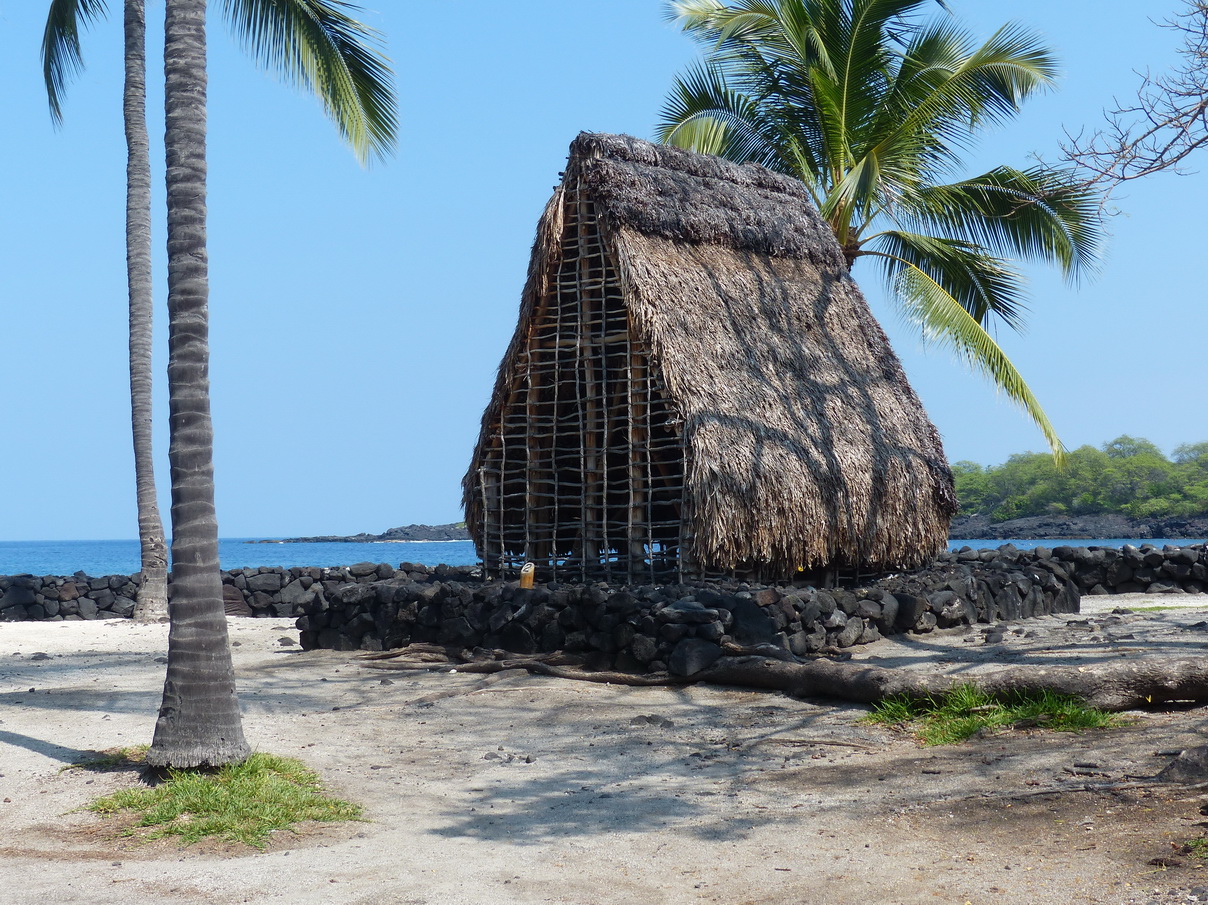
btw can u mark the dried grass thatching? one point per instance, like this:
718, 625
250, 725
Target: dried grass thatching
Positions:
798, 443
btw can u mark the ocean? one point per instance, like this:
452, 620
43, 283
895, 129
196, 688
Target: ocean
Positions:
121, 557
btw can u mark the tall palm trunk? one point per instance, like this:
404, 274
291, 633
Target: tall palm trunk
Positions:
199, 722
152, 601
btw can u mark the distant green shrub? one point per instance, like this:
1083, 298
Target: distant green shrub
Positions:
1126, 476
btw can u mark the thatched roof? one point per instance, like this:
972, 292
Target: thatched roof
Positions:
668, 193
805, 445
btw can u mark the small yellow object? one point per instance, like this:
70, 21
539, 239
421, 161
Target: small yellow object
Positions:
526, 575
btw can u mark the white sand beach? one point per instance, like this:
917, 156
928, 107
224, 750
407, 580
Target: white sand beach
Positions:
518, 789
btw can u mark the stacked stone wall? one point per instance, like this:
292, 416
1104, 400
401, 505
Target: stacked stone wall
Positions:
246, 592
681, 628
77, 597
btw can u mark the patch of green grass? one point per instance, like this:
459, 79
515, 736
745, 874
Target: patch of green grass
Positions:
1158, 609
1197, 847
244, 802
955, 716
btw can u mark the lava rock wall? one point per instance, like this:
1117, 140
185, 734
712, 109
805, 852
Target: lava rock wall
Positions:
680, 628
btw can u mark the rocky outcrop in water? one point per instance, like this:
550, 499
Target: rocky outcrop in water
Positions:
408, 533
1075, 527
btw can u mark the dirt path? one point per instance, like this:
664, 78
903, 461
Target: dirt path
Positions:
515, 789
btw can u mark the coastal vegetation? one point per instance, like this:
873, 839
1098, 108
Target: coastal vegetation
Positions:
1126, 476
872, 107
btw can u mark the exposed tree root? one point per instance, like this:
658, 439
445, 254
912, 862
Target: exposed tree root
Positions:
1111, 686
560, 666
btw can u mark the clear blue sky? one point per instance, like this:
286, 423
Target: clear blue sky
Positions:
358, 316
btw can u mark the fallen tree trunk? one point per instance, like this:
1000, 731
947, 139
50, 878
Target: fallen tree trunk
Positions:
1112, 686
1109, 686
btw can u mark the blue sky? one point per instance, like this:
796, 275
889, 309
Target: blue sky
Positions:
358, 316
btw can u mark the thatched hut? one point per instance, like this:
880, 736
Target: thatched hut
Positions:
696, 387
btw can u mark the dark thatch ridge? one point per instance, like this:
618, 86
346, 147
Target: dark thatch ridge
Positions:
668, 192
804, 447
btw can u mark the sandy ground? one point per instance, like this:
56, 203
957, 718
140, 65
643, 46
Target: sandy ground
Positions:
518, 789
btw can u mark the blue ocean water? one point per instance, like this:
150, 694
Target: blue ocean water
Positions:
121, 557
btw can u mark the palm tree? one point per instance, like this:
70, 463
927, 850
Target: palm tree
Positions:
871, 108
199, 722
316, 44
60, 58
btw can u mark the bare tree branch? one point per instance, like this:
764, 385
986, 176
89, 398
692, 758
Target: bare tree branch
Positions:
1163, 125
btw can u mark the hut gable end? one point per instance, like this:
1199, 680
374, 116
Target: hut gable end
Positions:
697, 387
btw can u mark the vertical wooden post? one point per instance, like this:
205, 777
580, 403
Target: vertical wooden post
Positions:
588, 406
633, 370
599, 286
554, 526
503, 485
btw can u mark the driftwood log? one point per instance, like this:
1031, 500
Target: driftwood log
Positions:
1112, 686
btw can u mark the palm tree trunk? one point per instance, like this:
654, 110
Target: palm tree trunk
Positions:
152, 603
199, 722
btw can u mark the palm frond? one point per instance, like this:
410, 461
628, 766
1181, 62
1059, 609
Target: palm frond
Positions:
702, 113
861, 41
703, 134
980, 283
62, 58
1039, 213
318, 45
946, 88
945, 321
746, 22
1009, 67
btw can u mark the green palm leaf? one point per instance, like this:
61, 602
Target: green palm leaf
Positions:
317, 45
62, 58
945, 89
979, 282
704, 114
943, 320
1036, 213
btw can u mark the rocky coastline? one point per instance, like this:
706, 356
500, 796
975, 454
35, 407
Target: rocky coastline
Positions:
402, 534
964, 527
680, 628
1077, 527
